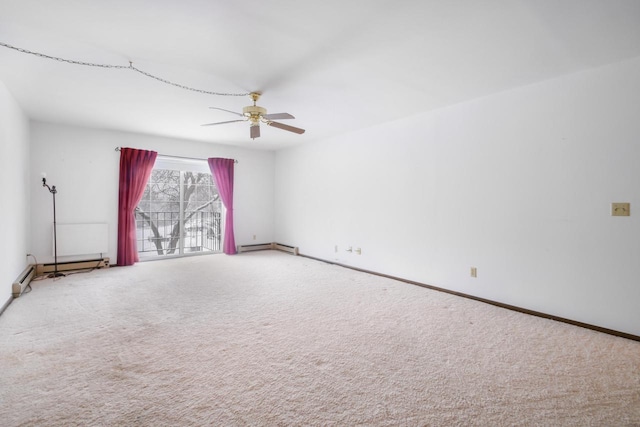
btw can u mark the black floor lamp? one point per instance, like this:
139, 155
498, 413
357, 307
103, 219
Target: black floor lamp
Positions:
53, 191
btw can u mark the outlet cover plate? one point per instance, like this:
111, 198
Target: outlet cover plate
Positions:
620, 209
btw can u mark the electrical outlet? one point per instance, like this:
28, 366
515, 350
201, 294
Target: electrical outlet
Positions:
358, 251
335, 248
620, 209
474, 272
254, 237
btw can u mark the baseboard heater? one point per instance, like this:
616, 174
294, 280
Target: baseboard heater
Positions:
23, 281
73, 265
267, 246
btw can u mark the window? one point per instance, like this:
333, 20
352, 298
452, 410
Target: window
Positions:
180, 212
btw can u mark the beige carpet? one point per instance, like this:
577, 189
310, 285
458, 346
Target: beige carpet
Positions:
267, 338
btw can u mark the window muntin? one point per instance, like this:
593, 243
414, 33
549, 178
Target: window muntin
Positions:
180, 212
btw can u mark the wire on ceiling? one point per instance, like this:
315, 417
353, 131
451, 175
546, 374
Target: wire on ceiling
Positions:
120, 67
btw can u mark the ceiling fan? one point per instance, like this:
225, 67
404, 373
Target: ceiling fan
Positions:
256, 114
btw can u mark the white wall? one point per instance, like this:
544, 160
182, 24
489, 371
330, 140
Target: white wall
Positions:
518, 184
83, 165
14, 176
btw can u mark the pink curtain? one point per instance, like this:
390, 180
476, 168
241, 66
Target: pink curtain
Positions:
135, 170
222, 171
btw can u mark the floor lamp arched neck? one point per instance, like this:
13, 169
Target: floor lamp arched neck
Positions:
53, 191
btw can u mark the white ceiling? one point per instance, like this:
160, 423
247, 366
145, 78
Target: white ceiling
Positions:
337, 65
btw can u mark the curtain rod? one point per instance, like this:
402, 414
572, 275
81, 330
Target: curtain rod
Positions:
181, 157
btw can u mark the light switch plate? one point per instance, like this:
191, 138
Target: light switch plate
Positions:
620, 209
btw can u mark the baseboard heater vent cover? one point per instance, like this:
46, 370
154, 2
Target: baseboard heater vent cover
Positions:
23, 281
267, 246
73, 265
258, 247
286, 248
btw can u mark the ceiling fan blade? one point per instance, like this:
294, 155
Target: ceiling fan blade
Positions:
255, 131
286, 127
228, 111
222, 123
278, 116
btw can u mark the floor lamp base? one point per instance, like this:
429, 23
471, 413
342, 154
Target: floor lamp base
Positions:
54, 275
